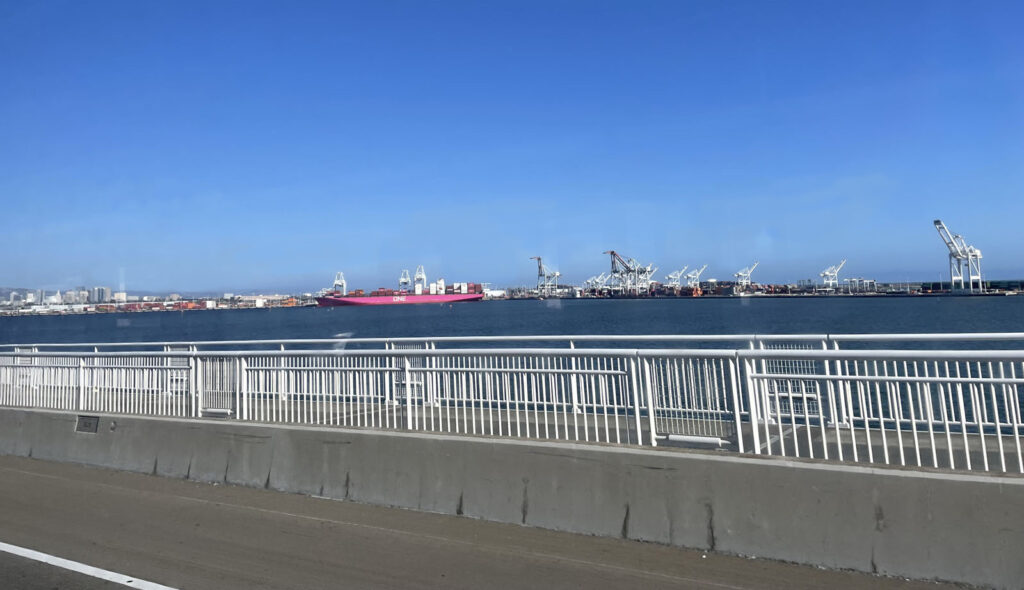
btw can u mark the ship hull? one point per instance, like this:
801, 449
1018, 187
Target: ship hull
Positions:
337, 300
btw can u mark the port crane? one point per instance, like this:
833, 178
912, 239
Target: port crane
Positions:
547, 280
595, 283
675, 277
420, 279
628, 276
743, 276
831, 275
693, 277
961, 257
404, 282
340, 284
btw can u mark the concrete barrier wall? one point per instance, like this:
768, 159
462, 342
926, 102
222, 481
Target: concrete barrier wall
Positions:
962, 528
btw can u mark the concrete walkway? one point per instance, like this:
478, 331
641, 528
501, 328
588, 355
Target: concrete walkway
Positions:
189, 535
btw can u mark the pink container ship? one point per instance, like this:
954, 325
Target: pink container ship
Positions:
409, 292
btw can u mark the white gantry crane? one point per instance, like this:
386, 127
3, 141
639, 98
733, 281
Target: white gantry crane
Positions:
674, 278
340, 284
404, 282
547, 280
420, 278
743, 276
595, 283
961, 257
831, 275
693, 277
628, 276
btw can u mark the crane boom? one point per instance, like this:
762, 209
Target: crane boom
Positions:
675, 276
961, 257
340, 284
743, 276
629, 276
831, 275
547, 280
693, 277
955, 248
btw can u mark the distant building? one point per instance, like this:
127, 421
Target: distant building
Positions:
120, 297
100, 295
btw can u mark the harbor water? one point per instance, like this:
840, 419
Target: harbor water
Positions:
740, 315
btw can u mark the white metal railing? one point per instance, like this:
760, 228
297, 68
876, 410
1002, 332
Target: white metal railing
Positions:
793, 396
1013, 340
942, 409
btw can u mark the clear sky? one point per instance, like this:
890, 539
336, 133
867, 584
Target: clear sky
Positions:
243, 146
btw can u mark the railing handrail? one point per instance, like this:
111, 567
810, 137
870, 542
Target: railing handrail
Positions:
397, 353
178, 343
440, 339
742, 353
875, 354
755, 337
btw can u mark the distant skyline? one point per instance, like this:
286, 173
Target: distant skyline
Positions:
237, 147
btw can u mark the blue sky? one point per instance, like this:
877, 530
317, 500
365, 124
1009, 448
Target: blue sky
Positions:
261, 146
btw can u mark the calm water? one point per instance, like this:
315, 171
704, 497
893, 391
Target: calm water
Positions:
665, 316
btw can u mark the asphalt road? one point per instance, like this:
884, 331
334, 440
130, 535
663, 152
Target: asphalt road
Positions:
189, 535
26, 574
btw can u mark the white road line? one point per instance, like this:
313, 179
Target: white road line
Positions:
82, 568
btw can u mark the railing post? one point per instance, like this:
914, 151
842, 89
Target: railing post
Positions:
282, 379
408, 395
244, 385
649, 386
842, 390
821, 392
81, 384
752, 406
574, 383
734, 369
427, 376
197, 396
192, 386
636, 400
238, 387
